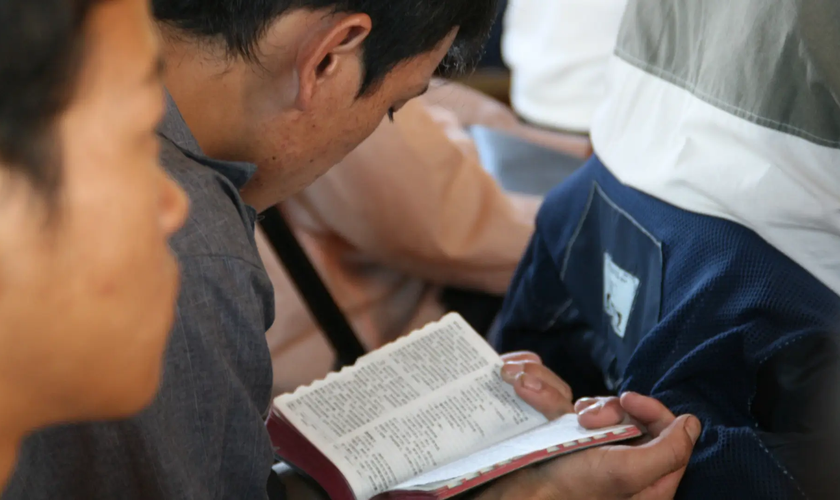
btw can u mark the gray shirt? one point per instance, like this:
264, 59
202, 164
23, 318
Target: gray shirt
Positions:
203, 437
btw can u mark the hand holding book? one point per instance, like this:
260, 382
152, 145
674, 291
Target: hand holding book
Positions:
431, 416
650, 469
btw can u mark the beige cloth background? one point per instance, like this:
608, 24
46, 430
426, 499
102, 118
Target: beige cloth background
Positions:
408, 211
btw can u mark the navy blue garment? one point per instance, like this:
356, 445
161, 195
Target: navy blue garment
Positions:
620, 291
492, 57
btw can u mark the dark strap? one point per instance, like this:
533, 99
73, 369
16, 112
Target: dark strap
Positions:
325, 312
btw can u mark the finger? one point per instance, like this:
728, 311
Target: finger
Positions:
606, 412
635, 469
649, 412
512, 370
584, 403
543, 397
521, 356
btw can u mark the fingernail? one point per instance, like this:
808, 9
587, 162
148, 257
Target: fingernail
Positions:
591, 410
530, 382
511, 370
693, 428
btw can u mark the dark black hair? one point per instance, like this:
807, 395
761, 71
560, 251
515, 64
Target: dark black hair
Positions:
401, 30
41, 43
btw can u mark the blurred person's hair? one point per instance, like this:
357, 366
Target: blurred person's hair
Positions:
41, 48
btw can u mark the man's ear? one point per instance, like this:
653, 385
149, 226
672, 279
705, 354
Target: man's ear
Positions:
327, 50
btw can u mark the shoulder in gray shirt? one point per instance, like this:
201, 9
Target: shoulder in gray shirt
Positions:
203, 438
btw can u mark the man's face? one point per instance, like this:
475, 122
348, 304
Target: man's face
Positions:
95, 285
292, 149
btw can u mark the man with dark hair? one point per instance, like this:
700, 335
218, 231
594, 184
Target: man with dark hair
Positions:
291, 87
296, 85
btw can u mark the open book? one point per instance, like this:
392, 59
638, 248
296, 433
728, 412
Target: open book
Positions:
427, 416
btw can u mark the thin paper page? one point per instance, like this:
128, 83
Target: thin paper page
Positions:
389, 378
410, 407
559, 432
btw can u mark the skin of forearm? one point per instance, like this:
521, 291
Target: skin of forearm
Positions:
572, 144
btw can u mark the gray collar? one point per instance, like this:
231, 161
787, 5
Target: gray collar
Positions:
174, 128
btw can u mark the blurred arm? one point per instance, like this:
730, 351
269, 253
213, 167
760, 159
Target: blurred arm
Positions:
414, 197
474, 108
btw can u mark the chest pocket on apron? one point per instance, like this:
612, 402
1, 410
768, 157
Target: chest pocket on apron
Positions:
613, 270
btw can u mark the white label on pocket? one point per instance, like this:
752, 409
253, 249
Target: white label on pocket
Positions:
620, 289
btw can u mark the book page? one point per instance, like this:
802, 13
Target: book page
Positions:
556, 434
416, 404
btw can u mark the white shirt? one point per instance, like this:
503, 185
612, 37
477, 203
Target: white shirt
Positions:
557, 51
664, 141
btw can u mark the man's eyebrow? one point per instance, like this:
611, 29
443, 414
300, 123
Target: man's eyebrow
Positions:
156, 72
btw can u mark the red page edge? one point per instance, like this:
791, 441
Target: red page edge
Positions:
292, 446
